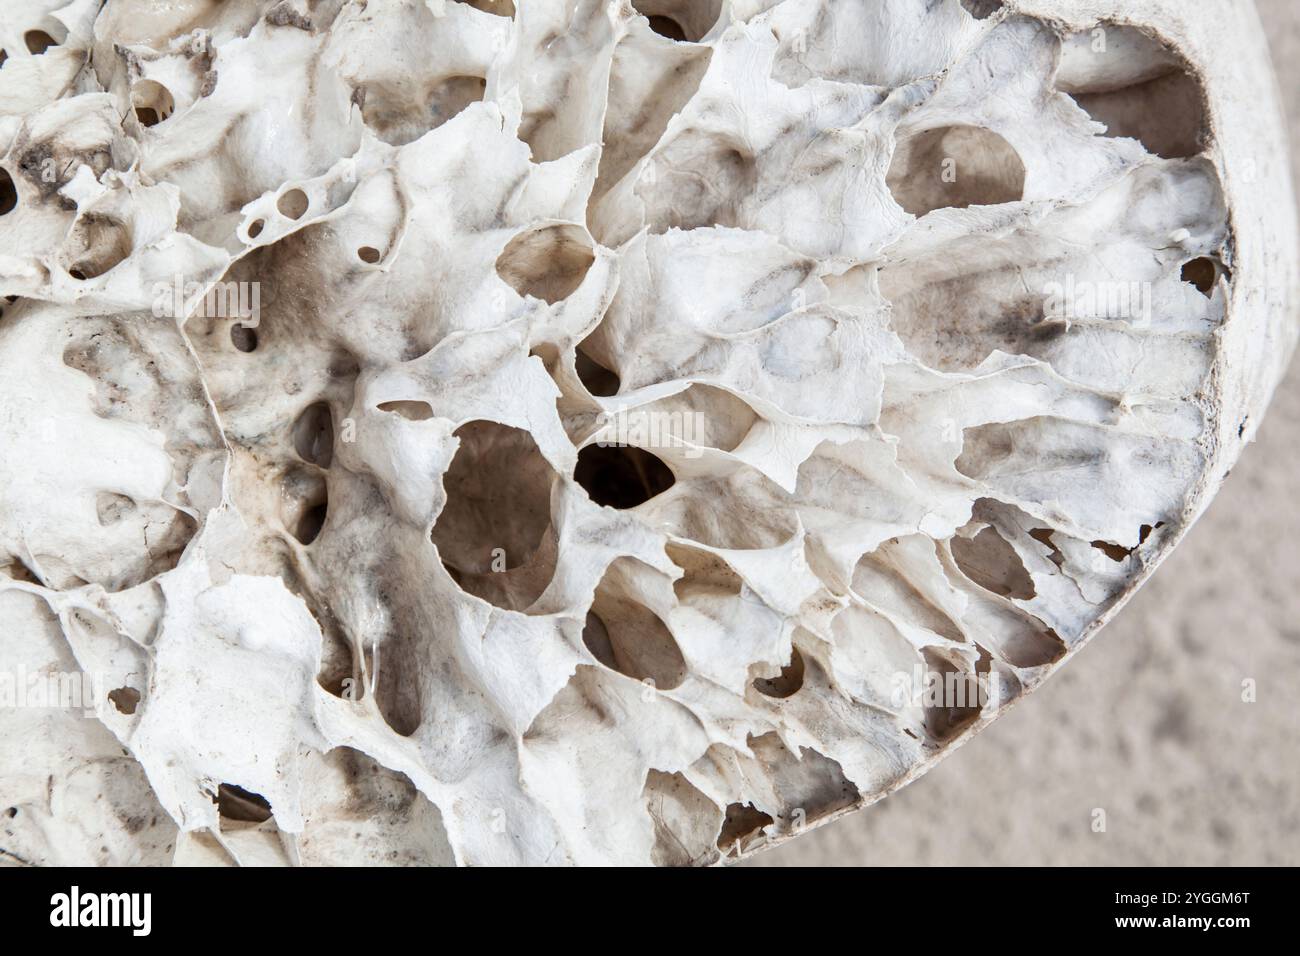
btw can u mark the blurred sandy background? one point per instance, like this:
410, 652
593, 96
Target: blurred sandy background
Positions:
1146, 722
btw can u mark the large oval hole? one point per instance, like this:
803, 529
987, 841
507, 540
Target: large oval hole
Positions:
954, 167
1135, 86
494, 532
992, 563
293, 204
628, 637
621, 477
547, 263
313, 435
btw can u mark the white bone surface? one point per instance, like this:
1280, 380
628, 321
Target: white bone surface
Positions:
940, 364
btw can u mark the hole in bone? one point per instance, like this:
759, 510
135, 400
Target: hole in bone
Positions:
1136, 87
954, 167
153, 102
243, 337
685, 820
97, 244
667, 27
628, 637
879, 574
255, 228
58, 574
952, 703
38, 41
595, 378
703, 415
453, 94
680, 19
293, 204
636, 120
356, 812
621, 477
399, 688
715, 513
239, 805
705, 574
401, 111
992, 563
415, 411
502, 8
17, 570
701, 180
494, 532
548, 263
742, 827
125, 699
311, 523
340, 672
8, 192
981, 9
1044, 537
1201, 272
304, 503
112, 508
786, 683
1117, 553
368, 254
313, 435
810, 784
3, 57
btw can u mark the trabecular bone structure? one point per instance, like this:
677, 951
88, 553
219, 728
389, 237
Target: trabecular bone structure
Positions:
593, 431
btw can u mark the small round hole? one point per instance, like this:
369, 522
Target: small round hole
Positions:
152, 101
255, 228
1202, 273
243, 337
8, 192
368, 254
293, 204
125, 699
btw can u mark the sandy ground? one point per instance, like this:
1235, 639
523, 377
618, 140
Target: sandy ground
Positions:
1147, 723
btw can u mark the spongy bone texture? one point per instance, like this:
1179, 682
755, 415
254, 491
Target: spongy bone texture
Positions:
601, 414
